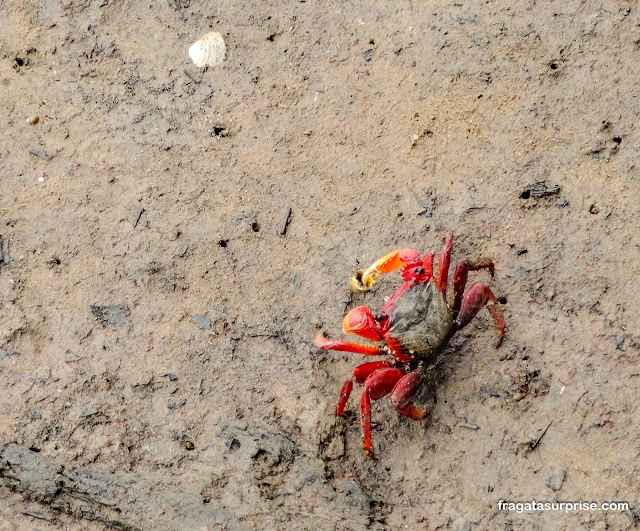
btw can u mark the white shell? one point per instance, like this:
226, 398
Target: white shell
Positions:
209, 50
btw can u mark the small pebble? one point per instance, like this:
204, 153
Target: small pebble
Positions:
422, 165
555, 481
176, 405
33, 120
562, 202
181, 251
317, 88
39, 153
202, 321
114, 314
192, 75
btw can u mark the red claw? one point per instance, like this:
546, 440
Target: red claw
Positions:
361, 321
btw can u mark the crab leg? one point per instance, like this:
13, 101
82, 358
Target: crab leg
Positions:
347, 346
404, 391
460, 279
443, 264
358, 375
476, 297
378, 384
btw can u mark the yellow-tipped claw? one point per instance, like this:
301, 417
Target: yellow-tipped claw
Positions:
360, 284
366, 278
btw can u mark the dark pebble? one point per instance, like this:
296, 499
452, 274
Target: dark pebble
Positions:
114, 314
176, 405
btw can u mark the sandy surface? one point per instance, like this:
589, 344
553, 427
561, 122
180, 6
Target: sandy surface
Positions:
198, 398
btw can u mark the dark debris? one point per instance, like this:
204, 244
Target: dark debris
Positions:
113, 315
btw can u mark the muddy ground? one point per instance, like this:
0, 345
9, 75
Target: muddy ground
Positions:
157, 367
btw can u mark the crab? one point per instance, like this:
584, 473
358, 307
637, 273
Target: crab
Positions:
414, 327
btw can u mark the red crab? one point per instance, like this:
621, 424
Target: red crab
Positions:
414, 326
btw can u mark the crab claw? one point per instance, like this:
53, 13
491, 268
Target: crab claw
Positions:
361, 321
357, 285
365, 278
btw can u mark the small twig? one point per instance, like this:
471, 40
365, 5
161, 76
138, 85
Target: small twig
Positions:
287, 220
138, 219
39, 517
469, 426
535, 444
270, 334
578, 401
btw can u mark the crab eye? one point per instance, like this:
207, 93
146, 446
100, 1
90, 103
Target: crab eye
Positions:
419, 270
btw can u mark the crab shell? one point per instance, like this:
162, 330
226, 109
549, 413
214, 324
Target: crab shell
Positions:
420, 322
